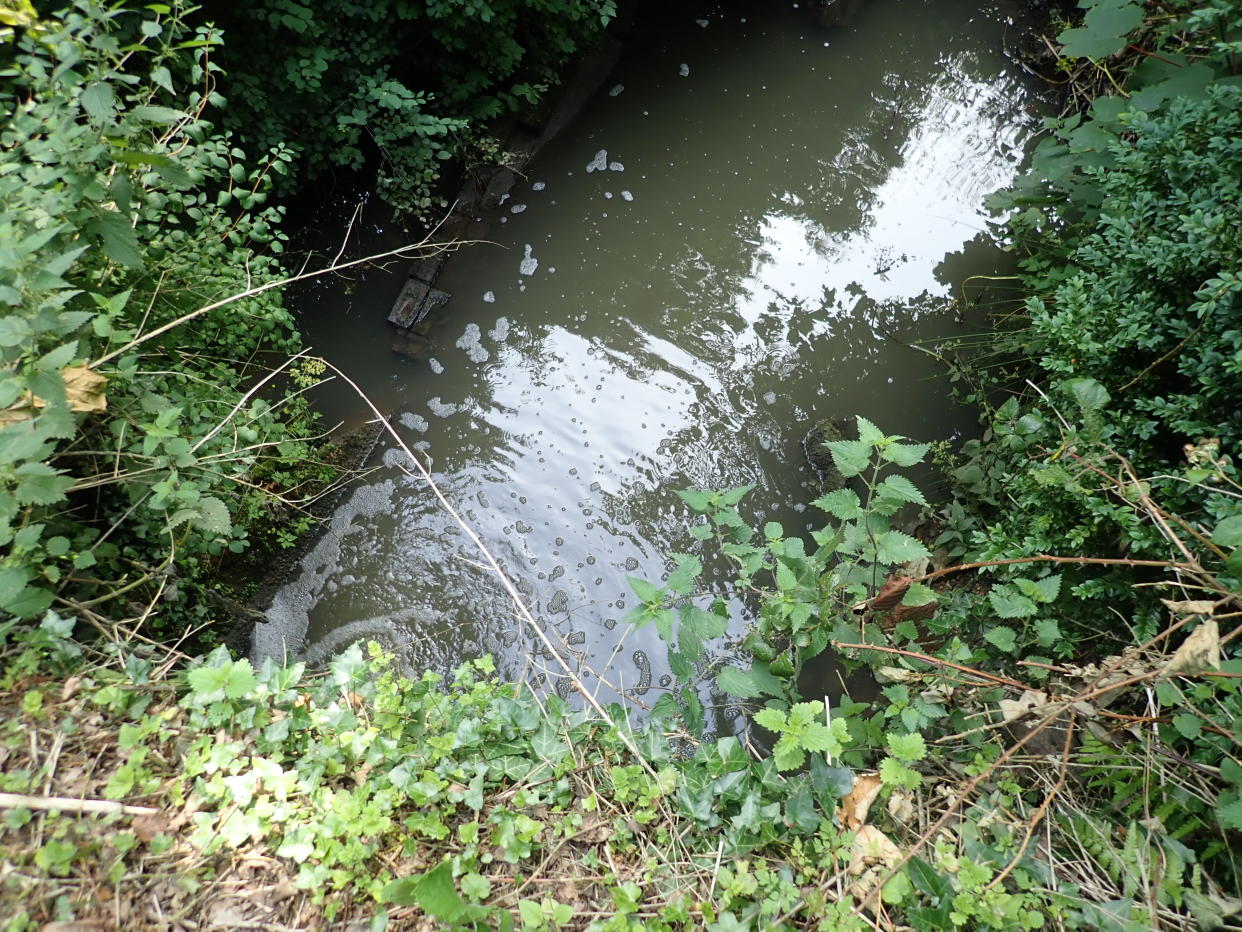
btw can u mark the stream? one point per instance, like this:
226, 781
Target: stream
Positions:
740, 234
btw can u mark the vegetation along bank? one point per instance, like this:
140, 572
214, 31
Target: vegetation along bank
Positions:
1056, 740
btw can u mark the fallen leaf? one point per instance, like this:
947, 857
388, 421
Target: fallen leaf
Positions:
901, 806
1196, 607
148, 826
1029, 701
891, 593
872, 847
1200, 651
84, 389
855, 806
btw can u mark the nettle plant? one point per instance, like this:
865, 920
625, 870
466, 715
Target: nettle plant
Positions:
802, 597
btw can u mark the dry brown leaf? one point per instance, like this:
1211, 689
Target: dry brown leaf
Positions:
148, 826
891, 593
1200, 651
871, 848
84, 389
855, 806
901, 806
1195, 607
1029, 701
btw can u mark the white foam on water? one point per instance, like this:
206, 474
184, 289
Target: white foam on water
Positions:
414, 421
529, 263
616, 167
769, 397
616, 90
436, 366
599, 163
703, 22
608, 194
538, 186
503, 198
500, 332
489, 297
440, 408
517, 208
684, 71
472, 342
627, 196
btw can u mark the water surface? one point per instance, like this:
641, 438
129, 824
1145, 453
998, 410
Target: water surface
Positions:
739, 236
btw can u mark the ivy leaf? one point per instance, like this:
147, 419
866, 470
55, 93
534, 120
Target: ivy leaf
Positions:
850, 456
433, 892
898, 547
842, 504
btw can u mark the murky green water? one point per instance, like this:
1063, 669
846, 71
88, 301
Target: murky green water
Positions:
731, 245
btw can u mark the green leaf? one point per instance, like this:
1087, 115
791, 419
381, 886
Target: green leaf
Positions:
1007, 603
706, 625
161, 115
771, 719
868, 432
700, 502
919, 594
681, 580
897, 547
900, 489
99, 101
40, 484
646, 592
1103, 31
1047, 632
1002, 638
120, 242
904, 454
850, 456
842, 504
1187, 725
1230, 816
30, 602
433, 892
213, 516
927, 880
785, 578
906, 747
1090, 394
1229, 532
748, 684
734, 496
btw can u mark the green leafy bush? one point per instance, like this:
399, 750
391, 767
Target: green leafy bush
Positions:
126, 437
405, 84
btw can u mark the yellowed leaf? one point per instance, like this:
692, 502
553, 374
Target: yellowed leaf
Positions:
1195, 607
84, 389
1200, 651
872, 848
901, 806
855, 806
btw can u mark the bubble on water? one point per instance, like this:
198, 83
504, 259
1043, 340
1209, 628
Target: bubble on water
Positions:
631, 564
523, 527
436, 366
608, 194
769, 397
538, 186
684, 70
489, 297
702, 22
442, 409
557, 573
599, 163
616, 90
609, 624
414, 421
559, 602
576, 637
517, 208
644, 673
503, 198
616, 167
529, 263
590, 561
482, 499
560, 542
500, 332
627, 196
